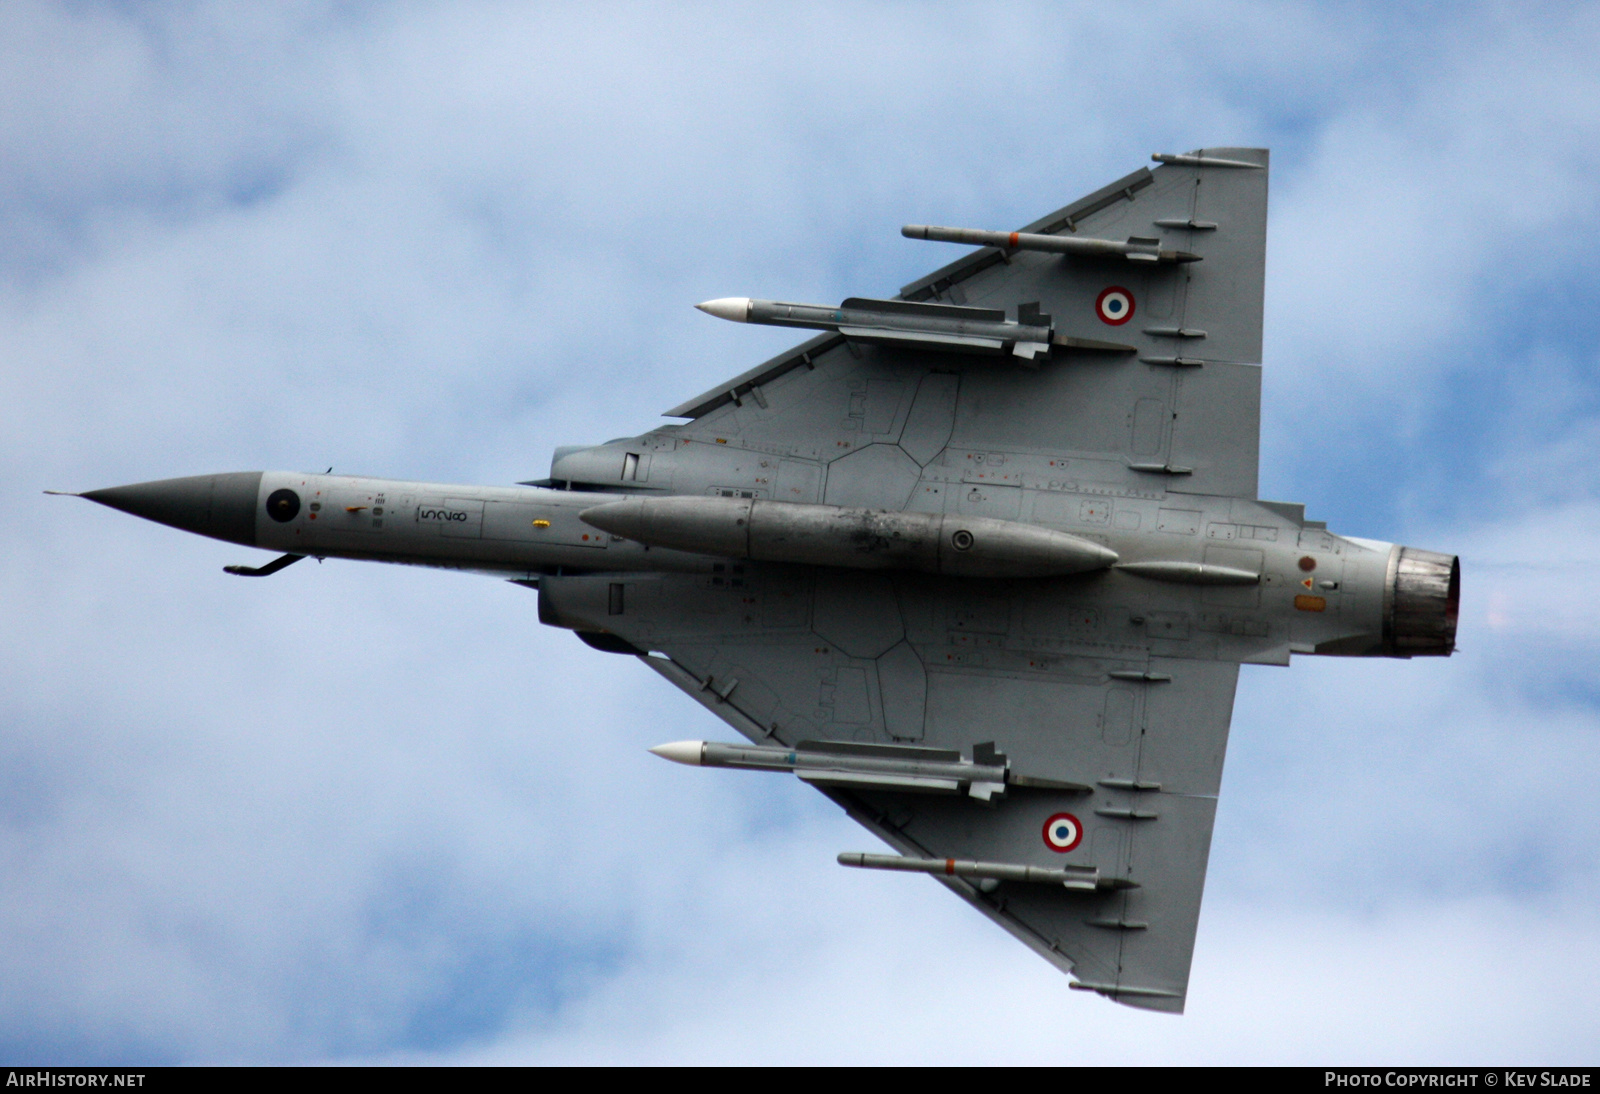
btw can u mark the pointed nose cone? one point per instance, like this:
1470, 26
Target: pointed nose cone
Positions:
219, 506
736, 308
682, 752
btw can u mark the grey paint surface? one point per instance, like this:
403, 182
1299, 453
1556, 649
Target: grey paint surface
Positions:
1119, 679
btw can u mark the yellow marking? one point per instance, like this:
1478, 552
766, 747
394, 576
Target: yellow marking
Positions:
354, 508
1311, 603
541, 523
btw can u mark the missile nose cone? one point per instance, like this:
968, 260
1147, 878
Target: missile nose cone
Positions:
219, 506
735, 308
682, 752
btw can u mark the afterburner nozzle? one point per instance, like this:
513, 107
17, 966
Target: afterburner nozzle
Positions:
735, 308
1422, 603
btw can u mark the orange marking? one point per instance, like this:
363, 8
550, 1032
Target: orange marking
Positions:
1311, 603
950, 867
1013, 239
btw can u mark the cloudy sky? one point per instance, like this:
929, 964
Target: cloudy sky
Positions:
364, 813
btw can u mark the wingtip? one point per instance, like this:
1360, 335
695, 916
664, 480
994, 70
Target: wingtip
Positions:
64, 493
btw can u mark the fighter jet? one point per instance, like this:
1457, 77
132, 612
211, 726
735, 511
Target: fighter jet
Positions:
980, 562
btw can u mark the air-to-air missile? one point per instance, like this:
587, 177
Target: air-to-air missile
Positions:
947, 326
832, 535
884, 767
850, 765
988, 875
1134, 249
913, 325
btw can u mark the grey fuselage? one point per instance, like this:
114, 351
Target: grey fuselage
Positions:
1317, 592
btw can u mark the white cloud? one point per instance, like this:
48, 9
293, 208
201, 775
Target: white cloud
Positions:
1477, 981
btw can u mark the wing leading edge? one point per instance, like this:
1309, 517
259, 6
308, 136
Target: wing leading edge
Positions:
1185, 400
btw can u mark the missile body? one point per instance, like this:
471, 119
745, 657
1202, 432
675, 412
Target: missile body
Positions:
899, 322
882, 767
1134, 249
1078, 878
832, 535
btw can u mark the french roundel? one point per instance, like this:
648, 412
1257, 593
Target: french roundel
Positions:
1062, 832
1114, 306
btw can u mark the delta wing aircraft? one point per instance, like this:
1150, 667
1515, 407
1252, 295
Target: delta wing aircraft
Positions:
979, 562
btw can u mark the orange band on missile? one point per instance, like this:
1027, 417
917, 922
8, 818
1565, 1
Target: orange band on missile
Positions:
1014, 238
950, 867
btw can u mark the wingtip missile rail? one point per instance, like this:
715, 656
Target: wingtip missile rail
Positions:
869, 766
1134, 248
988, 875
1194, 159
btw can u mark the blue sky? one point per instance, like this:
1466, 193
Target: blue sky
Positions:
367, 813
